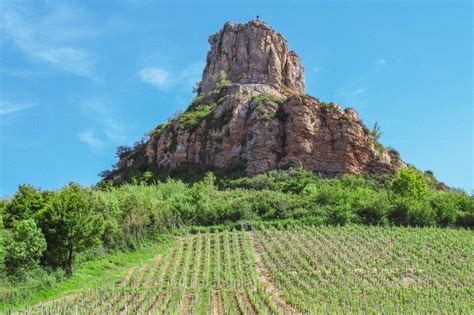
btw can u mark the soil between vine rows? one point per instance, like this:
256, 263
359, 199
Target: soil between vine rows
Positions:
312, 270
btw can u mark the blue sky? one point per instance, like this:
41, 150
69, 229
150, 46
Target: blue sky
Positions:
77, 79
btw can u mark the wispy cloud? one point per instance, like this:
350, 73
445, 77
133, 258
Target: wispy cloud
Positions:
91, 139
111, 129
42, 37
157, 77
8, 107
162, 79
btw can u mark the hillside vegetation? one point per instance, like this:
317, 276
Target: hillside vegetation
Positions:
301, 269
46, 234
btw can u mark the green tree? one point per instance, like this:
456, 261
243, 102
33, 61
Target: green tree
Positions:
26, 203
71, 225
24, 246
3, 204
410, 183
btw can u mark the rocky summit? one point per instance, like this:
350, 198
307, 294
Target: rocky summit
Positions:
252, 115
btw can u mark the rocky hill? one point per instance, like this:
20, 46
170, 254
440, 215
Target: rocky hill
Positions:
252, 115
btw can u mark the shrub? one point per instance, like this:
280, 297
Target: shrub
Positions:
24, 246
192, 118
159, 130
269, 98
412, 212
223, 81
371, 207
410, 183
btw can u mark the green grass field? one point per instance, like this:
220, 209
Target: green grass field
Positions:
316, 270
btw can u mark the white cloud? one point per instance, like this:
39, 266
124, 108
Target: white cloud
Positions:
110, 127
8, 107
163, 80
77, 61
157, 77
41, 37
90, 138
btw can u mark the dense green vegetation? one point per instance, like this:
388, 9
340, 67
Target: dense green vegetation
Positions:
301, 269
46, 232
371, 270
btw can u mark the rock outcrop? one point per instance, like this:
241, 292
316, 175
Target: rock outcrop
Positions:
253, 53
252, 115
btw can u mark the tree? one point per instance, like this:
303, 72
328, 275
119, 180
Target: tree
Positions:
23, 247
26, 203
375, 132
71, 225
410, 183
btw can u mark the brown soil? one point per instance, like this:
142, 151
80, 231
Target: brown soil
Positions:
217, 303
247, 303
187, 303
159, 299
127, 277
266, 280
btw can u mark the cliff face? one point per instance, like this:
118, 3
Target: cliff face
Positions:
253, 53
252, 115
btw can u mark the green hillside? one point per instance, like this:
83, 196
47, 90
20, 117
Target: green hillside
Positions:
62, 242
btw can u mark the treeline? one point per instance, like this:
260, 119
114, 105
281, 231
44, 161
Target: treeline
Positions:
46, 230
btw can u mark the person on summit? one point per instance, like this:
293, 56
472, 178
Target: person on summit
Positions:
258, 18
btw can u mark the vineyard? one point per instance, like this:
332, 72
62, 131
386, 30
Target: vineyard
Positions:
329, 270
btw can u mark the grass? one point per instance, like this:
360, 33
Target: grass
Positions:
270, 98
192, 118
95, 273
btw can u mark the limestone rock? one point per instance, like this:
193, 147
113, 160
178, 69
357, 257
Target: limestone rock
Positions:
262, 120
253, 53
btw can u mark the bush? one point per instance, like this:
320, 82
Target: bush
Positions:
223, 81
269, 98
410, 183
371, 207
24, 246
75, 219
411, 212
193, 117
